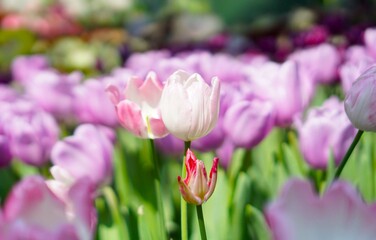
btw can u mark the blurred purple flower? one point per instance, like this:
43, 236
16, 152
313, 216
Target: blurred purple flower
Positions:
92, 104
73, 157
24, 67
30, 131
299, 213
312, 60
350, 71
142, 63
54, 92
248, 122
282, 84
33, 211
326, 131
370, 41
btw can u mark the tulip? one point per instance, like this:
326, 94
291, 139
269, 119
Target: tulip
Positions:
138, 110
360, 102
74, 157
33, 211
325, 131
30, 131
311, 59
247, 123
92, 104
195, 188
299, 213
24, 67
189, 107
350, 71
54, 92
283, 85
370, 41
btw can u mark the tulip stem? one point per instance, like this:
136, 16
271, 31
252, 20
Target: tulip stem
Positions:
348, 154
158, 191
201, 222
183, 203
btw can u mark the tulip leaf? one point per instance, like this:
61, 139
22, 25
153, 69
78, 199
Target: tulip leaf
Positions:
257, 227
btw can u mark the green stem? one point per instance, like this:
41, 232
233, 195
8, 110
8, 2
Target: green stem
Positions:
157, 185
183, 203
113, 204
348, 154
201, 222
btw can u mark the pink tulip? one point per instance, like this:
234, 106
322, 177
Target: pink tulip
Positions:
33, 211
299, 213
360, 102
138, 108
196, 188
189, 106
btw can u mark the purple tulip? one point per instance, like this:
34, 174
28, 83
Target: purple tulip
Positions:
30, 131
360, 102
142, 63
33, 211
312, 60
299, 213
282, 85
247, 122
54, 92
24, 67
92, 104
326, 131
350, 71
74, 157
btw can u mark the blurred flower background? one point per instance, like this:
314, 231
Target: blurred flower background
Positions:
273, 91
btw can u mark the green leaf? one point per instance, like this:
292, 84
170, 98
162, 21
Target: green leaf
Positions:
256, 224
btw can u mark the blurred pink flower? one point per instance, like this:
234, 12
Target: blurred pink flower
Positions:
92, 104
325, 131
138, 108
299, 213
33, 211
29, 131
282, 85
53, 91
196, 188
25, 67
248, 122
321, 62
74, 158
360, 102
189, 106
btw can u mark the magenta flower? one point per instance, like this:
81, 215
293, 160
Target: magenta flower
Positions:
196, 188
33, 211
360, 102
74, 157
138, 108
299, 213
189, 106
370, 41
325, 131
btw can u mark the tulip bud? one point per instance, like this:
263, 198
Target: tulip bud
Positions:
360, 102
195, 188
189, 106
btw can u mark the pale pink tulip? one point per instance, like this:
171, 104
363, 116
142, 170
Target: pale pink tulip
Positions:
138, 108
189, 106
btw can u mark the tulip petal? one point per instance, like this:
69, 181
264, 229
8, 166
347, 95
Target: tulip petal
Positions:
131, 118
